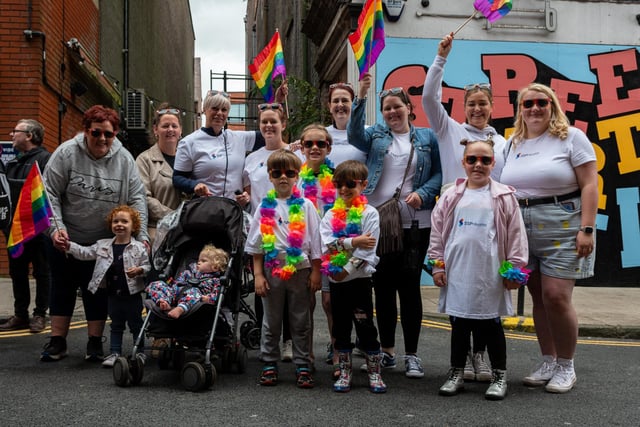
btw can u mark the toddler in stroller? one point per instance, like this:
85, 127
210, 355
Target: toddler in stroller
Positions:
199, 282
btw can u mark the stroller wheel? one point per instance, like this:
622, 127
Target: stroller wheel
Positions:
253, 339
227, 359
121, 374
245, 328
193, 376
137, 369
242, 359
211, 375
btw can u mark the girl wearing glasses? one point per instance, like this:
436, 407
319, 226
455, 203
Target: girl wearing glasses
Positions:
86, 178
475, 227
478, 106
156, 165
552, 165
209, 161
402, 156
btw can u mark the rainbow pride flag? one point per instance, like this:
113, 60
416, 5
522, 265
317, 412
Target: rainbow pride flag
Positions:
493, 9
267, 66
368, 40
32, 212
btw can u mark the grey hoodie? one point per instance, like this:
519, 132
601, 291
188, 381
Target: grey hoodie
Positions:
83, 189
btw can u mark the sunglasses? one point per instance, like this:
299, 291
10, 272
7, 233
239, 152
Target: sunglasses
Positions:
97, 133
473, 86
341, 86
319, 144
471, 160
168, 111
277, 173
274, 106
392, 91
541, 102
217, 92
350, 183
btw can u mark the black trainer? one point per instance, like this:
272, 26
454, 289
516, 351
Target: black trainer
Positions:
54, 350
95, 352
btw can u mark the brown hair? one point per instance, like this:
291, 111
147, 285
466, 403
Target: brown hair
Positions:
320, 128
350, 169
468, 142
134, 214
99, 114
283, 159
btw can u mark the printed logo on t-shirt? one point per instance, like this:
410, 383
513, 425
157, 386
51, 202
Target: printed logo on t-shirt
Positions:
523, 155
469, 223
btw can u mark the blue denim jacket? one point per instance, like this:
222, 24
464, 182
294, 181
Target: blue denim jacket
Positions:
375, 141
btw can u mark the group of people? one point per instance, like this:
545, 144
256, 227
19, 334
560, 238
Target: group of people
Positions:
489, 214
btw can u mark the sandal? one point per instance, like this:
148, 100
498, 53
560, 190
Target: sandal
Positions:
304, 378
269, 375
336, 372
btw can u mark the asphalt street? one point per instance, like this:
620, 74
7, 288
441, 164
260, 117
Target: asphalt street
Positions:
75, 392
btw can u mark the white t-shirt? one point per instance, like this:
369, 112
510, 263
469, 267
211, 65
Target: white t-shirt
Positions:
544, 166
393, 169
211, 159
474, 287
256, 176
341, 150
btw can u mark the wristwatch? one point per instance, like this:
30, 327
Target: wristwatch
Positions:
587, 229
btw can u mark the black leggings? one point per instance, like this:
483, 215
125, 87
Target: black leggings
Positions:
394, 276
487, 330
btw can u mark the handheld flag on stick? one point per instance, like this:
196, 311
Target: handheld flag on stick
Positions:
32, 213
368, 40
491, 9
267, 66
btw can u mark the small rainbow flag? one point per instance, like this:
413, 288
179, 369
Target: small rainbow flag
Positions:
368, 40
267, 66
493, 9
32, 212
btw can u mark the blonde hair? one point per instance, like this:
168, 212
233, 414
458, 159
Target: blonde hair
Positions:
216, 256
559, 123
468, 142
320, 128
216, 101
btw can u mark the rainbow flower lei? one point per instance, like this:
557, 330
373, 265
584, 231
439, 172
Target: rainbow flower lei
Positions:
310, 185
345, 223
294, 238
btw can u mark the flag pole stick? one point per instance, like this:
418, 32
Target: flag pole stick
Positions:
465, 22
46, 195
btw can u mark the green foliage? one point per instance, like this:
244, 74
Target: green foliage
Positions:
304, 107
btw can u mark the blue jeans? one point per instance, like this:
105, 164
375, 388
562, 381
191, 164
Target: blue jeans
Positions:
124, 310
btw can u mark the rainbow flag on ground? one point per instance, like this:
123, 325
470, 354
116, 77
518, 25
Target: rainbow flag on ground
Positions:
267, 66
32, 212
493, 9
368, 40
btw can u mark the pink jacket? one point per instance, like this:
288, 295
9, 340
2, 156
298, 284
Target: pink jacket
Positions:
510, 231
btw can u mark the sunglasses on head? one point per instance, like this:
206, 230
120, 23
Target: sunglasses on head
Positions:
97, 133
167, 111
340, 85
273, 106
392, 91
310, 143
477, 86
217, 92
350, 183
540, 102
277, 173
471, 160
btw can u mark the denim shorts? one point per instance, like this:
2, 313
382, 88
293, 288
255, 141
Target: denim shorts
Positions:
552, 229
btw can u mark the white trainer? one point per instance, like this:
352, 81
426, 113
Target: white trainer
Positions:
563, 379
481, 368
110, 360
542, 374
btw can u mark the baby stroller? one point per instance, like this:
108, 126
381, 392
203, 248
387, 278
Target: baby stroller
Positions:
206, 334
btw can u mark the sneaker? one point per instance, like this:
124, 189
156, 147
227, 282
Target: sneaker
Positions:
469, 372
268, 375
110, 360
54, 350
563, 380
287, 351
388, 361
498, 388
542, 374
37, 324
14, 323
454, 384
94, 350
304, 379
413, 366
481, 369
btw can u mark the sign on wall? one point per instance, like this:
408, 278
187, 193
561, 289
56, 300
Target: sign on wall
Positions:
599, 88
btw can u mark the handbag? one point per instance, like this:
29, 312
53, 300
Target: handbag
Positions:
391, 232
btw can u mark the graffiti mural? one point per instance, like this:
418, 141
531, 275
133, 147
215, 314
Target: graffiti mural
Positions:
599, 88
